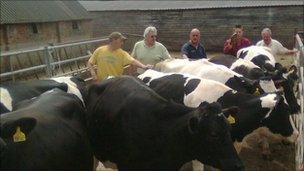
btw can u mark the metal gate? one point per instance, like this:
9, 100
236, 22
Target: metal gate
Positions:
48, 61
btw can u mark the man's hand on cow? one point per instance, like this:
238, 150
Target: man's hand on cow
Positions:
148, 66
291, 52
94, 77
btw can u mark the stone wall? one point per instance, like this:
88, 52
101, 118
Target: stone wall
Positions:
22, 36
215, 24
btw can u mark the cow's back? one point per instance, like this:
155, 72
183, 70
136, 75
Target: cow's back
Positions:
125, 115
16, 92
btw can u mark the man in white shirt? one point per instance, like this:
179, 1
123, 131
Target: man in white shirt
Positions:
149, 51
275, 46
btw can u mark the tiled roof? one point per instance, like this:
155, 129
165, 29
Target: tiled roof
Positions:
172, 5
41, 11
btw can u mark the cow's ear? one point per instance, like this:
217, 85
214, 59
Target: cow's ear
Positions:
210, 108
231, 110
18, 129
280, 68
203, 104
293, 69
292, 73
231, 114
243, 54
269, 67
193, 125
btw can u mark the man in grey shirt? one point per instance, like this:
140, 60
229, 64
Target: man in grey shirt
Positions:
149, 51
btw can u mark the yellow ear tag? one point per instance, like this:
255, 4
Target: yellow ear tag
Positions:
19, 136
257, 92
231, 119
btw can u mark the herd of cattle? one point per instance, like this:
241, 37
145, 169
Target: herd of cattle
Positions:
181, 111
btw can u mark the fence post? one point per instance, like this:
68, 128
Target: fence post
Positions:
11, 67
47, 61
300, 117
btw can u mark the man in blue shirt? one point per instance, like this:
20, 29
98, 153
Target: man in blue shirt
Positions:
194, 49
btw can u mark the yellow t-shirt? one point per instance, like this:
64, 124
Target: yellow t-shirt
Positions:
110, 63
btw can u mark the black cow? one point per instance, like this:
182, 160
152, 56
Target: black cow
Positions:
265, 110
281, 76
46, 133
134, 127
12, 93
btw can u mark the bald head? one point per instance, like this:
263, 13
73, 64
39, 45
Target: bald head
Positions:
195, 31
195, 36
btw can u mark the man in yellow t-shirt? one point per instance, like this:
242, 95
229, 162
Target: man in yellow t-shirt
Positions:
111, 59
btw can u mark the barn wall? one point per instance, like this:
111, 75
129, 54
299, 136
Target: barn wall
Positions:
68, 34
215, 24
21, 36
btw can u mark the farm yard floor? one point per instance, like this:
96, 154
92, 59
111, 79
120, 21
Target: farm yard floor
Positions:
283, 156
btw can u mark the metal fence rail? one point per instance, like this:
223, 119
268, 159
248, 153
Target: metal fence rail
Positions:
299, 119
49, 61
52, 60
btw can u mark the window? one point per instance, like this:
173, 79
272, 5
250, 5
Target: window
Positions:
34, 28
75, 25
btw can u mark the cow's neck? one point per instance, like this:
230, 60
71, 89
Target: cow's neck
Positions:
177, 131
250, 115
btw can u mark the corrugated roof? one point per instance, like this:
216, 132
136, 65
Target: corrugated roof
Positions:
171, 5
41, 11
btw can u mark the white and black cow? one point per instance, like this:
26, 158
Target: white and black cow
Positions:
262, 57
207, 70
265, 110
248, 70
239, 65
259, 55
137, 129
46, 133
12, 93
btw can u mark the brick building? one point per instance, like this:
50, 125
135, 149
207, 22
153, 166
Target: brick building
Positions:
29, 24
215, 19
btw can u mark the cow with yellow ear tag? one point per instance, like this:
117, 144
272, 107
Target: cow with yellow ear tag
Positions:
46, 133
269, 109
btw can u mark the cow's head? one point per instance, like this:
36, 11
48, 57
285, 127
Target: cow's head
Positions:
285, 78
256, 73
267, 85
243, 84
10, 136
279, 121
264, 63
211, 130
